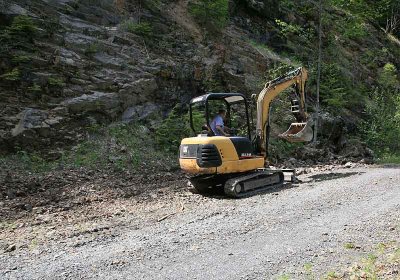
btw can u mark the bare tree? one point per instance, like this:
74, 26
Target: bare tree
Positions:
393, 20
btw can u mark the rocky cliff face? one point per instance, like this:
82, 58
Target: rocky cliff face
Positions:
69, 65
83, 63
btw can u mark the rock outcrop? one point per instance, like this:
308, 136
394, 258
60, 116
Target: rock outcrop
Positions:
84, 66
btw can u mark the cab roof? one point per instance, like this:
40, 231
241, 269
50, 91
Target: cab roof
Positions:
228, 97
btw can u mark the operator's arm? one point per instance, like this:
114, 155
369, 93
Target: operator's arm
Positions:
221, 130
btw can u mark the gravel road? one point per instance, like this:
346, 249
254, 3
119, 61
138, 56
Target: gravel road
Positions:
189, 236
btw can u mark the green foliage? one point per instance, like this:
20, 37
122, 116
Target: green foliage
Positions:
56, 82
22, 25
13, 75
353, 27
388, 77
388, 158
381, 11
331, 275
336, 88
92, 49
144, 29
349, 245
35, 88
172, 130
211, 14
381, 129
86, 154
18, 35
28, 162
20, 59
279, 149
287, 29
308, 268
118, 147
284, 277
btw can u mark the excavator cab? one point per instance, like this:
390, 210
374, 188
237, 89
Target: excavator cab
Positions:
203, 109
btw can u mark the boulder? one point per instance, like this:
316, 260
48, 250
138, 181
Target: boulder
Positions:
310, 152
30, 118
13, 9
356, 150
140, 112
139, 91
108, 103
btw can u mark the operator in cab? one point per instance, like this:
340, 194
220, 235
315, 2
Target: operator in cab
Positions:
217, 124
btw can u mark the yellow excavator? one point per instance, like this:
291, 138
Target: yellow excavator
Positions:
238, 164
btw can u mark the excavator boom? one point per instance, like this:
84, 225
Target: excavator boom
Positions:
300, 131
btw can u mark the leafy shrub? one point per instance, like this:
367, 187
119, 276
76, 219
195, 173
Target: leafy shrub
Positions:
287, 29
354, 28
13, 75
18, 35
34, 88
143, 28
335, 87
20, 59
172, 130
92, 49
56, 82
211, 14
381, 129
22, 25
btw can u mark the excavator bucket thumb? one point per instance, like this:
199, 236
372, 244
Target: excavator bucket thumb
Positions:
299, 132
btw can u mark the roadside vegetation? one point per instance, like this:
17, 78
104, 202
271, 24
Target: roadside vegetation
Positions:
121, 147
213, 15
383, 262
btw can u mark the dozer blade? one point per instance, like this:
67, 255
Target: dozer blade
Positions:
298, 132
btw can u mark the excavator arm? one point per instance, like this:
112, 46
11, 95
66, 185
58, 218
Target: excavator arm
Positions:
300, 131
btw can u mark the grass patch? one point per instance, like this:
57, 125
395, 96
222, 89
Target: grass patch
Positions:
284, 277
383, 263
117, 147
331, 275
389, 159
26, 162
349, 245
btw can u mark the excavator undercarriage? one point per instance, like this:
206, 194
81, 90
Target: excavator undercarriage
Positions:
240, 185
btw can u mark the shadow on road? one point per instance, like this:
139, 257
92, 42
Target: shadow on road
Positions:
332, 176
218, 193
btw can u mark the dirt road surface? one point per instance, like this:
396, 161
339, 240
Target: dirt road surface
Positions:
184, 235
